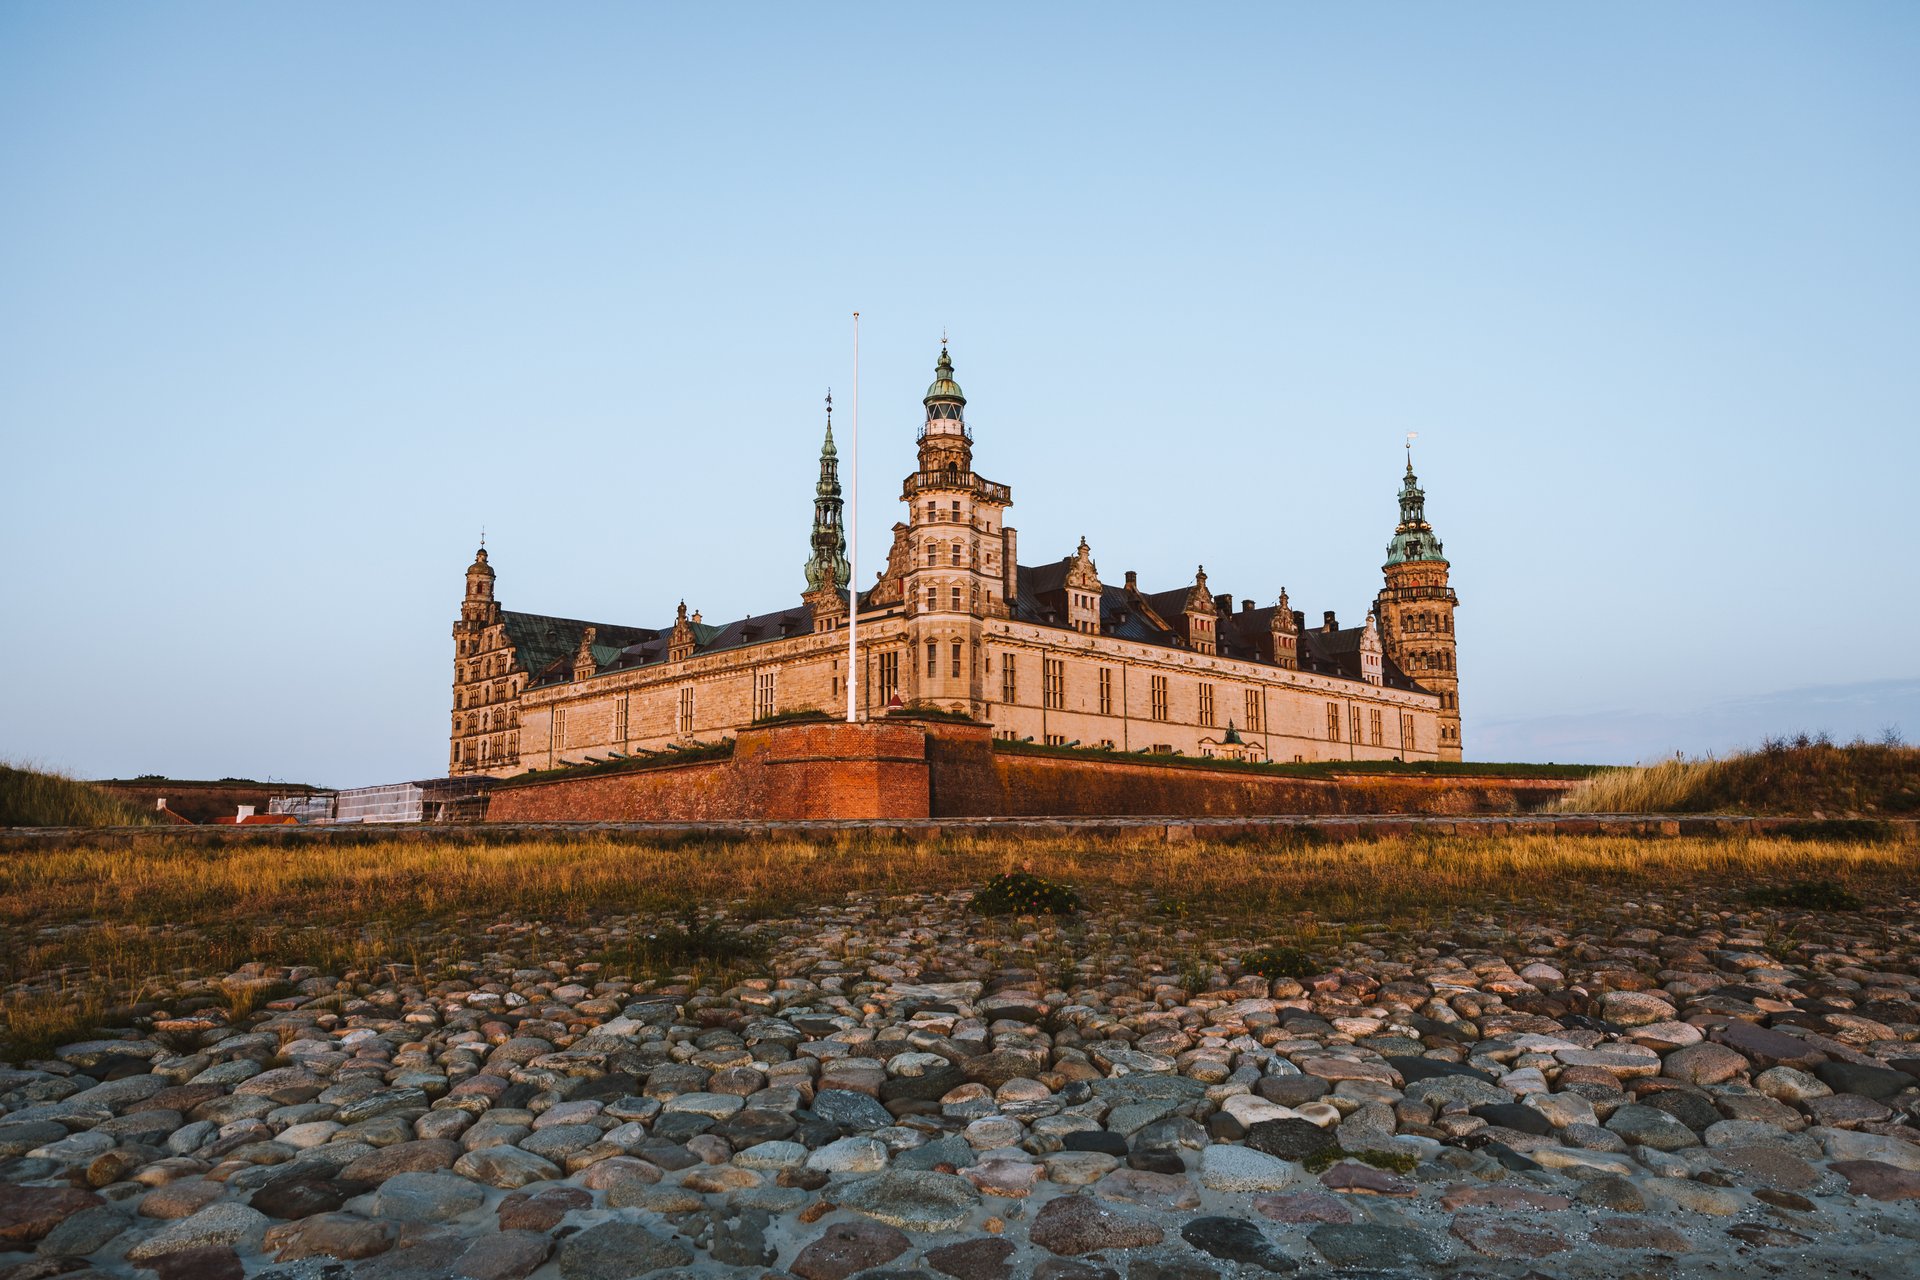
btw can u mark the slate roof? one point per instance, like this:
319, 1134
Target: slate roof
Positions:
547, 645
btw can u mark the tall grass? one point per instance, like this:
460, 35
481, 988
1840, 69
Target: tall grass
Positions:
39, 798
1801, 776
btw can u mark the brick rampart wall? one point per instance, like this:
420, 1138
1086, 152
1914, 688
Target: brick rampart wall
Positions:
911, 771
790, 772
1035, 786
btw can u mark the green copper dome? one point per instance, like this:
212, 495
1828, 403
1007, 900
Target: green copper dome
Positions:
944, 387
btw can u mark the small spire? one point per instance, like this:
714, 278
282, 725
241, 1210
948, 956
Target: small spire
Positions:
483, 537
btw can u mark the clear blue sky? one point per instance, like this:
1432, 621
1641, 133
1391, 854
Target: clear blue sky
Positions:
295, 298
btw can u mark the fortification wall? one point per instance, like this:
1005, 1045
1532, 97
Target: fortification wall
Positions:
909, 771
1035, 786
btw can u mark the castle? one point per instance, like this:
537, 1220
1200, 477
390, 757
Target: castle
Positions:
1049, 653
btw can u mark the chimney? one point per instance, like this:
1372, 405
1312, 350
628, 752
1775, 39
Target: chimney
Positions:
1299, 619
1333, 623
1223, 603
1133, 580
1246, 606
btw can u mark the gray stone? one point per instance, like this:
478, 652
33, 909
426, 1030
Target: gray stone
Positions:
1236, 1240
854, 1112
913, 1201
426, 1197
227, 1223
1646, 1127
1228, 1168
506, 1167
617, 1251
1364, 1244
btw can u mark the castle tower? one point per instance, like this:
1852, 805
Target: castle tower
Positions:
827, 569
1416, 610
485, 736
959, 556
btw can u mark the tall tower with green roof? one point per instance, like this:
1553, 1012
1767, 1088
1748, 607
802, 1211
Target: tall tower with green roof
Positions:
1416, 608
827, 569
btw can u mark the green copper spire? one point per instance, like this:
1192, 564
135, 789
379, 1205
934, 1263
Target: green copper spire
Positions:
827, 566
944, 387
1413, 539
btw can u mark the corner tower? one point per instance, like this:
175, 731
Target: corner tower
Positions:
959, 555
1416, 608
485, 735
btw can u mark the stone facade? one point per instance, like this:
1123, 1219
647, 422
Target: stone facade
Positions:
954, 623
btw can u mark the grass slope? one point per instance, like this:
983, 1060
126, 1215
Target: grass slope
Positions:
1802, 777
32, 798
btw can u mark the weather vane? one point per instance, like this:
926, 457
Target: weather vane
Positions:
829, 402
483, 537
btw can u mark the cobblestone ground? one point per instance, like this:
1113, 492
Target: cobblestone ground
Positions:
1664, 1086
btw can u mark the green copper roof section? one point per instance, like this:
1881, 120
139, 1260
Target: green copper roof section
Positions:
828, 566
1413, 539
944, 387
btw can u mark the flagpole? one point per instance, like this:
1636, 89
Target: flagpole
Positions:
853, 539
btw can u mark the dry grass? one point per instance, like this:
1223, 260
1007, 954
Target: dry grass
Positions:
90, 926
1800, 777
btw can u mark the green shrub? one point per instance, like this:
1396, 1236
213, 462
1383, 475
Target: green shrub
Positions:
1020, 893
1279, 962
1807, 895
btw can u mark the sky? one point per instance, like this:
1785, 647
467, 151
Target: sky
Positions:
296, 299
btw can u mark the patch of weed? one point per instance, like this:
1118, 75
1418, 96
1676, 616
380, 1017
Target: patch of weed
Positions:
1021, 893
1806, 895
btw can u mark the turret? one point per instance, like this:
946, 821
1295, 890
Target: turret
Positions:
479, 605
1416, 607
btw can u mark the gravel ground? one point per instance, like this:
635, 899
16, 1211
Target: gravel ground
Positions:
1661, 1086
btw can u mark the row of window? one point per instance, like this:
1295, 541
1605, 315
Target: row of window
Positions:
1053, 693
488, 751
1376, 729
1424, 621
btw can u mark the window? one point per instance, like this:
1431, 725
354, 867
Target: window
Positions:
931, 514
1333, 722
1106, 691
933, 554
1376, 733
954, 551
763, 696
559, 728
973, 660
1056, 739
1159, 694
620, 718
1206, 704
1353, 723
933, 599
956, 506
889, 675
933, 658
956, 605
1053, 673
1107, 743
956, 660
684, 722
1009, 680
1253, 711
1406, 733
